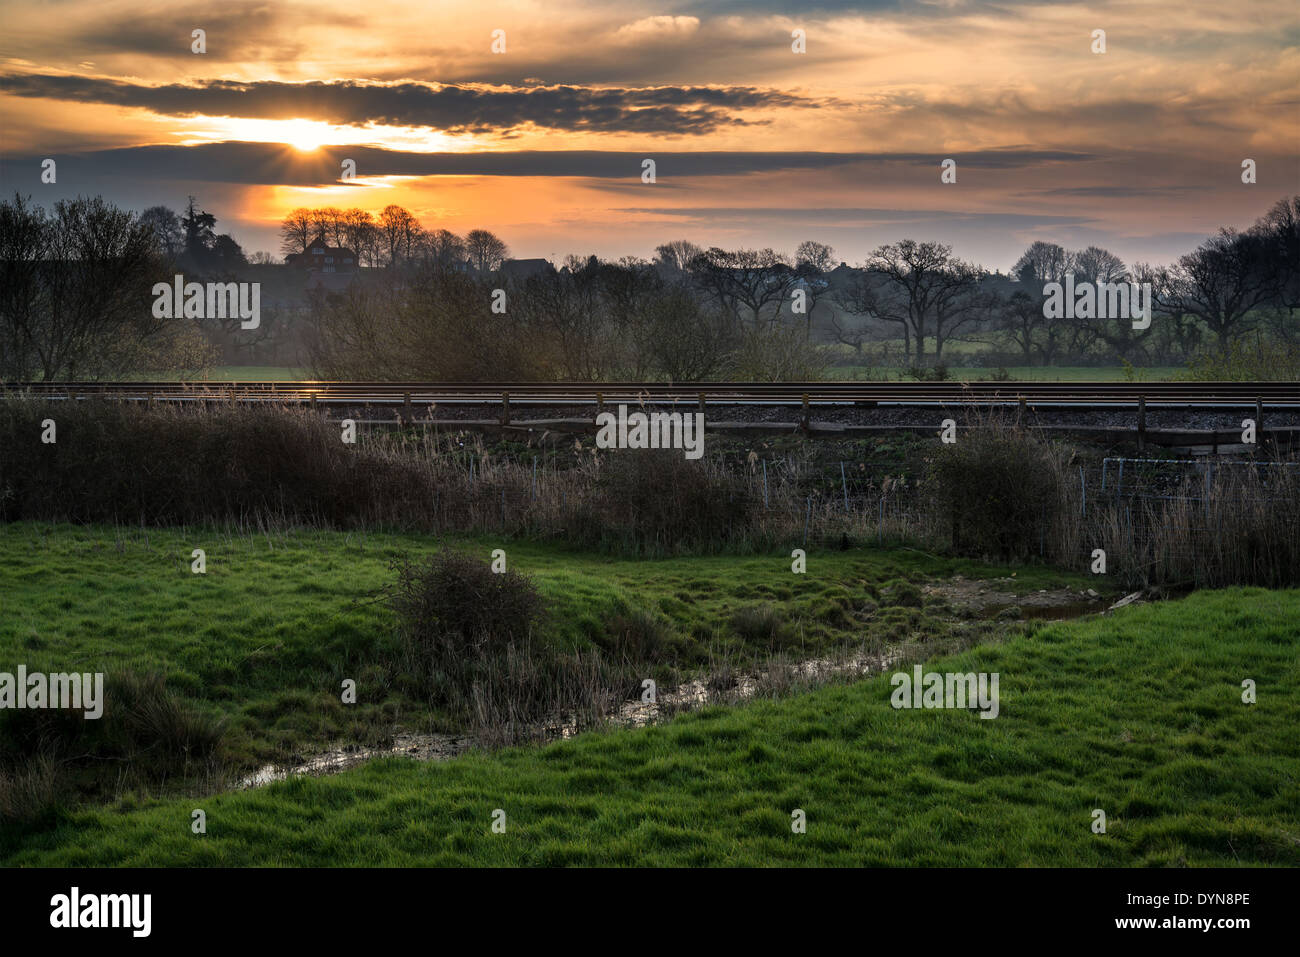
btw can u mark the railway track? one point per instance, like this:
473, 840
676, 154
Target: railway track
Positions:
1079, 395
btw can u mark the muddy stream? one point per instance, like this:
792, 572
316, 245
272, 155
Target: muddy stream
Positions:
977, 595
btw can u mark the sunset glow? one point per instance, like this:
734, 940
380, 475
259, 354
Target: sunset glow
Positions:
1138, 149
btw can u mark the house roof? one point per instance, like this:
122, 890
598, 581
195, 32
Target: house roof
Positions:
524, 268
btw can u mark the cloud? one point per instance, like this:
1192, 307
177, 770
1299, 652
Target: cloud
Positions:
657, 27
861, 216
275, 164
454, 109
250, 29
1115, 192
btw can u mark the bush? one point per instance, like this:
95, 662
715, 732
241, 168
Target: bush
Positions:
762, 625
776, 354
1003, 491
456, 613
636, 635
655, 501
146, 735
903, 594
936, 373
1260, 361
114, 462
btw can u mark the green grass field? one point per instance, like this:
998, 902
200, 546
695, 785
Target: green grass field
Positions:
1020, 373
237, 374
958, 373
1138, 713
265, 637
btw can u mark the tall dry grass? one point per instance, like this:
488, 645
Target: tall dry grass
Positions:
1001, 493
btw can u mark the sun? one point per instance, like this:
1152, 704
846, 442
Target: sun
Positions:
306, 136
303, 135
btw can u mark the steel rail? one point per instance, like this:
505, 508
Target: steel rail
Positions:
1076, 394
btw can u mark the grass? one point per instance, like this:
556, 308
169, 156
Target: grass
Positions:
960, 373
234, 374
1138, 714
265, 638
1018, 373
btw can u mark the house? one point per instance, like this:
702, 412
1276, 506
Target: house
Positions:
322, 258
522, 269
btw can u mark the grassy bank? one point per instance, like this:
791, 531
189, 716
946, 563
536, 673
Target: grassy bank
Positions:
1138, 714
263, 640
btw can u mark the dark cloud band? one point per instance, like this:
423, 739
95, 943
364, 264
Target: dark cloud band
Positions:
274, 164
454, 109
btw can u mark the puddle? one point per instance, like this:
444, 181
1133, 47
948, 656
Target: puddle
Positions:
421, 747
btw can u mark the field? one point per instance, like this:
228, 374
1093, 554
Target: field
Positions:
235, 374
1020, 373
1138, 713
277, 622
836, 372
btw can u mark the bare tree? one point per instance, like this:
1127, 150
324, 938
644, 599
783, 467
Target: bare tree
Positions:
1024, 316
1279, 230
331, 223
813, 260
1097, 265
166, 226
417, 323
1221, 282
296, 231
399, 233
759, 280
864, 297
815, 257
675, 257
446, 249
76, 288
361, 235
925, 289
486, 251
1042, 263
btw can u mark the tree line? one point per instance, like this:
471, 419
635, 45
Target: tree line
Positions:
75, 301
393, 238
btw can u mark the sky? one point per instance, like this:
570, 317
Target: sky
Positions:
1138, 149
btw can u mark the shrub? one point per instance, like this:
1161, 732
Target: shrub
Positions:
146, 735
1258, 361
1002, 490
762, 625
778, 354
656, 501
458, 617
903, 594
637, 635
128, 463
935, 373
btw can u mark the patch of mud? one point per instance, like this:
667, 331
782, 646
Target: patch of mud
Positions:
988, 597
